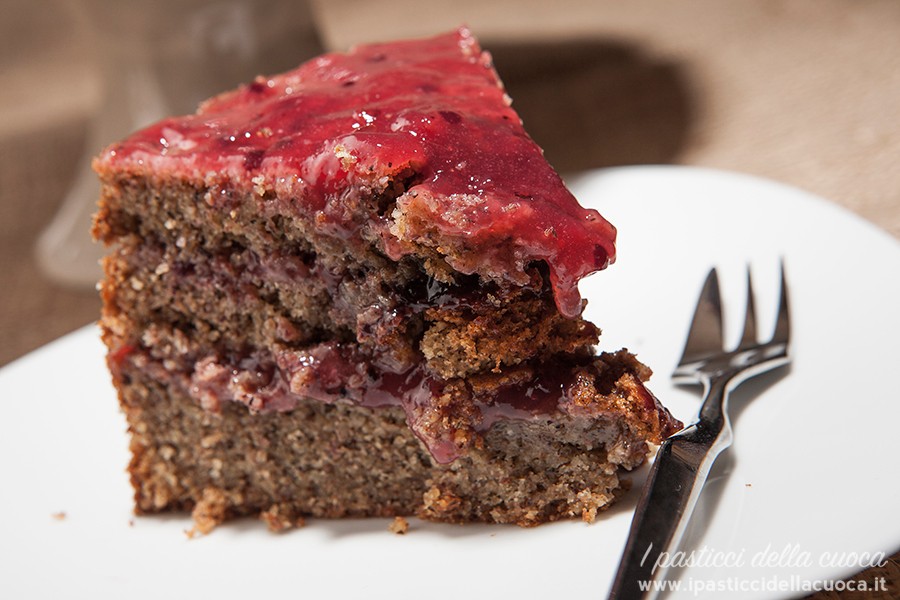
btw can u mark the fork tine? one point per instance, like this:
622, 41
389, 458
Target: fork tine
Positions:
748, 337
783, 321
705, 335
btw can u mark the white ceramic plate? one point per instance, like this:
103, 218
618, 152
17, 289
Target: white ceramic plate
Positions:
812, 470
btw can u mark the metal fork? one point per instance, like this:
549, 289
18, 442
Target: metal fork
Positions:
684, 460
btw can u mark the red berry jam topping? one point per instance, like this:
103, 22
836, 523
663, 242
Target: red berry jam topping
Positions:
434, 108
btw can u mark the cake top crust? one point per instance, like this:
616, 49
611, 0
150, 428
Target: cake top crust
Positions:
431, 112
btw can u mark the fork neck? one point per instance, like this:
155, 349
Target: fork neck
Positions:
714, 410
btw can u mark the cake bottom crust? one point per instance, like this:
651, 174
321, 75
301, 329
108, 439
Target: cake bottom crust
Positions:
336, 460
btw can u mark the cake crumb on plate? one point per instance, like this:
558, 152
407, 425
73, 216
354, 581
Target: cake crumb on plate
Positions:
399, 526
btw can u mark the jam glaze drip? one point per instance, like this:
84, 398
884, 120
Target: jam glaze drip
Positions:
316, 136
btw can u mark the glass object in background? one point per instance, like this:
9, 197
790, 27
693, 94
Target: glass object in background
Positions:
158, 59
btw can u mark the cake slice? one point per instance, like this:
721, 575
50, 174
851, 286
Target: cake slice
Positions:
351, 290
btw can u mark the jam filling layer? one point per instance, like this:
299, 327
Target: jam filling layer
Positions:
446, 415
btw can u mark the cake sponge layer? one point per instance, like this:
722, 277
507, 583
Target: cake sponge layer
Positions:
339, 460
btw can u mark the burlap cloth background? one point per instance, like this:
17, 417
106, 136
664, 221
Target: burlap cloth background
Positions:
803, 92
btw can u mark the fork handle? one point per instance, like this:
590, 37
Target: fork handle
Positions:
670, 494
